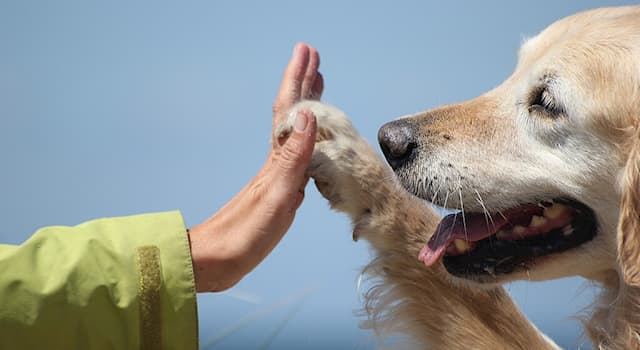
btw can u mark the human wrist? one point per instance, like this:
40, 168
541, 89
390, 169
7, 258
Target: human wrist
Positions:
212, 265
220, 245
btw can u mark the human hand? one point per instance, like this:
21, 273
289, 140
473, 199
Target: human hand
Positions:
239, 236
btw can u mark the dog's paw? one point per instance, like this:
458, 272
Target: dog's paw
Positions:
347, 171
332, 122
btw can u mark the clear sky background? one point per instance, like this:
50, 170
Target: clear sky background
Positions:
121, 107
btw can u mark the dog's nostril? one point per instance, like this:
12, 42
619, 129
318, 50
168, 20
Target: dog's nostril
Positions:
398, 142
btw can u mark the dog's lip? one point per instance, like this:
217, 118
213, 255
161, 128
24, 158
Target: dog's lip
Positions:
473, 227
568, 227
519, 223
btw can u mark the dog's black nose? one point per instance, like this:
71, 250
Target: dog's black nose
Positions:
398, 142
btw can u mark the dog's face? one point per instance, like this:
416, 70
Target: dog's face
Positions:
533, 165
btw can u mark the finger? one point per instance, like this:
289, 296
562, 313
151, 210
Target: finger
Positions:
318, 87
296, 152
310, 74
291, 85
299, 199
300, 196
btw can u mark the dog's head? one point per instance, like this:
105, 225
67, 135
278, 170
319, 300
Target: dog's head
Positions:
539, 166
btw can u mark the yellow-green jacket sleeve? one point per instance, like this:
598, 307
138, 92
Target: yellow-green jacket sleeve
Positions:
119, 283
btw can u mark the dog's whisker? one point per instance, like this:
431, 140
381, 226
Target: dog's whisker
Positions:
435, 194
487, 214
446, 198
455, 217
464, 221
501, 214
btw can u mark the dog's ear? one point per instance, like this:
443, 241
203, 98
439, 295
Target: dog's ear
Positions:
629, 221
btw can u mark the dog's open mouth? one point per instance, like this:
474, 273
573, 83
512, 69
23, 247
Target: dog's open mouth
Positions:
476, 244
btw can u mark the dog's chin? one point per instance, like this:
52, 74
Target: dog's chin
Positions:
493, 248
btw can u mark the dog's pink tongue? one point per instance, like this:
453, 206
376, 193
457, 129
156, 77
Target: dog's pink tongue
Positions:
474, 228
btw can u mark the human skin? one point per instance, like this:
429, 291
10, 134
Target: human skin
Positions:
235, 239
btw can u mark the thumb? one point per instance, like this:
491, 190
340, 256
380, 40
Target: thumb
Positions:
296, 152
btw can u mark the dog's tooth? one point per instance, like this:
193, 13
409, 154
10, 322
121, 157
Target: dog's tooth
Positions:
554, 211
537, 221
462, 245
567, 230
519, 229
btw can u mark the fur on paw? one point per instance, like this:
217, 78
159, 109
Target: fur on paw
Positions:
332, 122
344, 166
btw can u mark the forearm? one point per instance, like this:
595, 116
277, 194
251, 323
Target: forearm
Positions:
234, 240
103, 283
241, 234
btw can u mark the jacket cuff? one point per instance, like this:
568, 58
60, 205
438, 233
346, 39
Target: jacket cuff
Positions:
165, 279
166, 283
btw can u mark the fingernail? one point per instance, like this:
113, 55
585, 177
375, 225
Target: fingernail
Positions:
301, 122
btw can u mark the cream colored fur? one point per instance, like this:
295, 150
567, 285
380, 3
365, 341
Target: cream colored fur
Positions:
498, 151
406, 297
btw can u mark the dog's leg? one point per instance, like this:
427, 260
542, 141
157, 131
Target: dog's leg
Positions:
407, 297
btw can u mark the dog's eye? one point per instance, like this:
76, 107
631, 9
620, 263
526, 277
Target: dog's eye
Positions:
542, 102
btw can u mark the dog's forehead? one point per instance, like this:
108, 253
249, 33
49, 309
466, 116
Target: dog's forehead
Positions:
585, 33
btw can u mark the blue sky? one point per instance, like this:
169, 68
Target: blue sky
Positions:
118, 107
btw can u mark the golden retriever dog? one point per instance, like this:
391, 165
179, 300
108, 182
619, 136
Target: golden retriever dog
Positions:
543, 173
